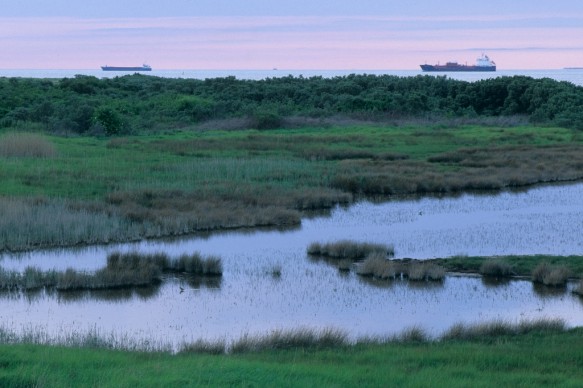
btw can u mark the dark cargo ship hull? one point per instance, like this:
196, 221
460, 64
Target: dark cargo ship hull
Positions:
123, 68
457, 68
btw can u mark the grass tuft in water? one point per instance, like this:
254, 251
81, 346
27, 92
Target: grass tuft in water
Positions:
549, 275
348, 249
377, 265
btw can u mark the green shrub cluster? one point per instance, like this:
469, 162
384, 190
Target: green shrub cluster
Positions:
137, 103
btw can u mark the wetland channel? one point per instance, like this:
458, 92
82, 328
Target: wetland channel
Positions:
252, 297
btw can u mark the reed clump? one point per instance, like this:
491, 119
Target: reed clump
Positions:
496, 268
377, 265
348, 249
550, 275
420, 271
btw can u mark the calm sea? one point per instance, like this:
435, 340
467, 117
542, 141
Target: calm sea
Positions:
574, 76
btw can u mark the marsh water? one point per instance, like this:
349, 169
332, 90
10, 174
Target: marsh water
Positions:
269, 282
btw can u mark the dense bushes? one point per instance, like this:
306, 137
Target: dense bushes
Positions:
137, 103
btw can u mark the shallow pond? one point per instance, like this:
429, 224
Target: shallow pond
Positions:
249, 298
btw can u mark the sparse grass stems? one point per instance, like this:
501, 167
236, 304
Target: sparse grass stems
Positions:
497, 328
413, 334
201, 346
291, 339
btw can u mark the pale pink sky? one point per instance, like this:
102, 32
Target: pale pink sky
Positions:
391, 39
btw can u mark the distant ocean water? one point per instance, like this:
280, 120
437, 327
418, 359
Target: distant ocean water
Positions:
574, 76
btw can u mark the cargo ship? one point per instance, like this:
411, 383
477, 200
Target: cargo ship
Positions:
128, 68
483, 63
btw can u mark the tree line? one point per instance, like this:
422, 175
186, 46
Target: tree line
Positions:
139, 103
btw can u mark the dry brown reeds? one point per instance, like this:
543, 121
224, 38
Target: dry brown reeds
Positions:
549, 275
462, 170
377, 265
25, 144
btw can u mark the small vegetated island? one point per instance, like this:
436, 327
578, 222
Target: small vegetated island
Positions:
89, 161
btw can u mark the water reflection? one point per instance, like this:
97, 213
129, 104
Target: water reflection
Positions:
548, 292
493, 282
117, 295
269, 281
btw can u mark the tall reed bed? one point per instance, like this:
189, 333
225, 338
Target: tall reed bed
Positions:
29, 223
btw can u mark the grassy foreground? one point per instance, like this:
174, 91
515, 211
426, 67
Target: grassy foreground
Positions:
533, 359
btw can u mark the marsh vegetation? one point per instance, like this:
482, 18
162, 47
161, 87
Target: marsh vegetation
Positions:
171, 157
123, 270
374, 260
100, 191
89, 161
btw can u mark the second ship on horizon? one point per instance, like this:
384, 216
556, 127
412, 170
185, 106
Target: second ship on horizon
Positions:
483, 63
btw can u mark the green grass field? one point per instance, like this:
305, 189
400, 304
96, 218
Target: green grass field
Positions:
526, 360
